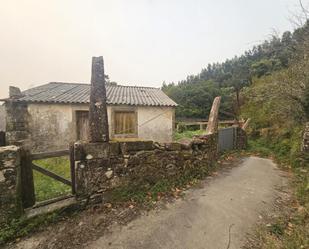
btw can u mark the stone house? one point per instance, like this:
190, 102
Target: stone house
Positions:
57, 114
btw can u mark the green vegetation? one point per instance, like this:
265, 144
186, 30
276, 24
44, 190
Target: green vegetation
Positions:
195, 94
147, 193
18, 228
278, 107
290, 229
270, 85
187, 134
46, 187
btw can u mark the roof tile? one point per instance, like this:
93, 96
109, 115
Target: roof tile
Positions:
58, 92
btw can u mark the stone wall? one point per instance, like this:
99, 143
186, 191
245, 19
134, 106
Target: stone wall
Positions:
17, 127
102, 167
305, 144
2, 117
10, 201
240, 139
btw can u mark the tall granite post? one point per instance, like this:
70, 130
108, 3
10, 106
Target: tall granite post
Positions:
212, 126
98, 120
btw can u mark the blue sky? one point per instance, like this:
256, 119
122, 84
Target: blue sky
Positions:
144, 42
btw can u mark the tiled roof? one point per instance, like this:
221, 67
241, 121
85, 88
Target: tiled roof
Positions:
56, 92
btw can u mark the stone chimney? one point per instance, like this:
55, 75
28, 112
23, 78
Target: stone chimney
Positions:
14, 92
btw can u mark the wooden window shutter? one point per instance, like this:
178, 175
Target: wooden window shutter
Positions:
125, 123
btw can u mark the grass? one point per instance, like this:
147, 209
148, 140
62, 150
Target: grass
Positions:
290, 229
46, 187
18, 228
187, 134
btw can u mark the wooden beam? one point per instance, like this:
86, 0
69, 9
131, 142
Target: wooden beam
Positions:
44, 155
26, 179
51, 174
98, 120
212, 126
72, 167
246, 124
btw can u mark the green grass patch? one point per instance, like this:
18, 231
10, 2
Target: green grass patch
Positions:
187, 134
18, 228
46, 187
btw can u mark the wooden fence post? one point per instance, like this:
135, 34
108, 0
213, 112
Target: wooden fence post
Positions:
72, 167
27, 182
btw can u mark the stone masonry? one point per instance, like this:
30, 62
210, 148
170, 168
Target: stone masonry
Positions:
102, 167
305, 144
16, 123
10, 201
240, 139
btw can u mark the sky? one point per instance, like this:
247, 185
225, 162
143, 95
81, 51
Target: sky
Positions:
143, 42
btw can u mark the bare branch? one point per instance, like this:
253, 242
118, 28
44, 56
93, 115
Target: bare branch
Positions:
304, 10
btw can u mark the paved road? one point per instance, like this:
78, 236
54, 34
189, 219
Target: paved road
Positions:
231, 201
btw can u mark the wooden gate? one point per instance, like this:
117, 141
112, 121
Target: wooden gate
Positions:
29, 165
2, 138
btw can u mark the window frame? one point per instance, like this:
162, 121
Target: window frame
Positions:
115, 110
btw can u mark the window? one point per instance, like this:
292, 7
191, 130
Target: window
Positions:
82, 125
125, 123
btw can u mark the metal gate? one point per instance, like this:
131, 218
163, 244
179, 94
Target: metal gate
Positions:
226, 139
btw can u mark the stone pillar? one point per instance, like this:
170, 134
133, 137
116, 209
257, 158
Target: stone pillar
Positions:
305, 143
212, 126
10, 185
98, 120
16, 123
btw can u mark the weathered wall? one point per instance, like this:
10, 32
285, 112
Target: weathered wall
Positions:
50, 126
10, 201
53, 126
240, 139
156, 123
106, 166
305, 143
2, 117
17, 126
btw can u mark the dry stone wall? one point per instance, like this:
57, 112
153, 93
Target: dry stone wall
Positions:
241, 139
10, 201
102, 167
305, 144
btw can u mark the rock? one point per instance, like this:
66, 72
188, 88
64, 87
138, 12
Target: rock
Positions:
109, 174
89, 157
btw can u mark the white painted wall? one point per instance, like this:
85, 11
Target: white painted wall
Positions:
156, 123
53, 126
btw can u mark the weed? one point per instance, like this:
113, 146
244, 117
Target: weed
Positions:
46, 187
187, 134
291, 230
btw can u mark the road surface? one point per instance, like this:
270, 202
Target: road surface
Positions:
216, 216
